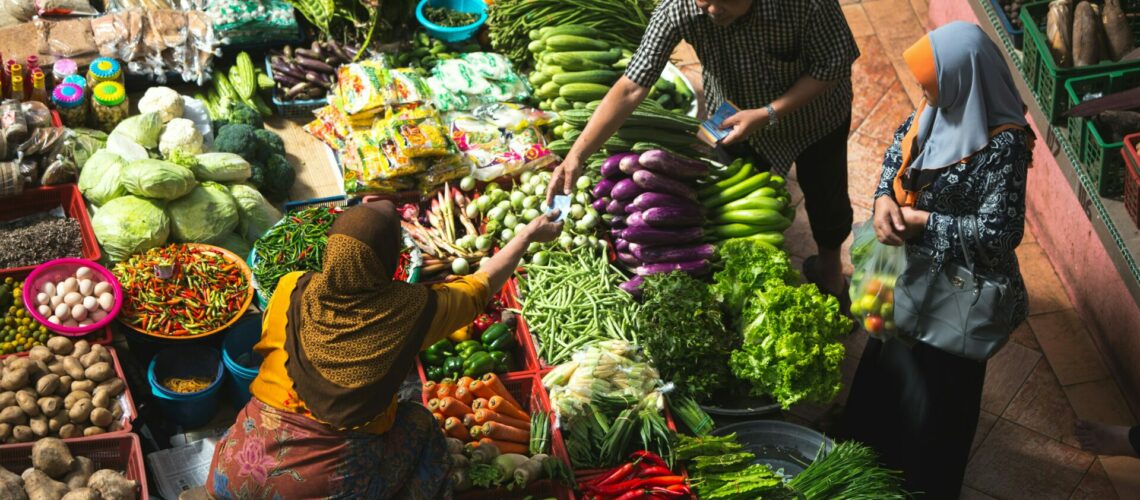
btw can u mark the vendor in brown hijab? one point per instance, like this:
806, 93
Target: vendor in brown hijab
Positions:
336, 345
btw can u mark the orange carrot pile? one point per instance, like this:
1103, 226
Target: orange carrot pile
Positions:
479, 411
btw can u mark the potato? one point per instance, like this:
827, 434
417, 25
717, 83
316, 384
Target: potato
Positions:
11, 485
7, 398
64, 386
47, 384
22, 434
57, 368
99, 372
112, 485
14, 380
42, 487
84, 386
80, 411
5, 433
26, 399
102, 352
61, 345
117, 412
39, 426
93, 431
114, 387
75, 397
81, 470
50, 406
38, 368
115, 426
41, 353
21, 362
70, 431
57, 422
82, 494
81, 347
101, 400
74, 368
52, 456
101, 417
13, 415
91, 357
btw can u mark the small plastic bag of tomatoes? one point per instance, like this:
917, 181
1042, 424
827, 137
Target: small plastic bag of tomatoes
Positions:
877, 267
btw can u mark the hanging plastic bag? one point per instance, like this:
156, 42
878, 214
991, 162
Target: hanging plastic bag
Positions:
877, 267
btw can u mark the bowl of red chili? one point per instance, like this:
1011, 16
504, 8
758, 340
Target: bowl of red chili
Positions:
183, 291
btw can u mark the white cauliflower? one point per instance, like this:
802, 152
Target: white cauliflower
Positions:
162, 100
182, 136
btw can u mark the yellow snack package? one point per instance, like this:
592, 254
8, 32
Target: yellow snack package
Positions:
363, 86
417, 138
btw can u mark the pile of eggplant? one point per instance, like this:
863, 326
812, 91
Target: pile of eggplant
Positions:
309, 73
656, 222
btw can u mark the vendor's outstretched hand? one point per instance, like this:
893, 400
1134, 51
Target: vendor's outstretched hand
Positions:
543, 228
562, 181
743, 124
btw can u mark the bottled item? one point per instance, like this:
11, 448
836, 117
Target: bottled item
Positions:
39, 87
76, 80
104, 69
71, 104
109, 105
17, 88
63, 68
31, 65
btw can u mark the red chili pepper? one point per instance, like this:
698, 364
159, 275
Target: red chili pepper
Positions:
632, 494
684, 488
654, 471
665, 492
614, 475
650, 457
616, 488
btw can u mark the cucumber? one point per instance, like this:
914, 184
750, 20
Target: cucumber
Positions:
584, 92
754, 217
549, 90
602, 57
571, 29
536, 46
599, 76
737, 191
561, 104
538, 78
751, 202
571, 43
579, 105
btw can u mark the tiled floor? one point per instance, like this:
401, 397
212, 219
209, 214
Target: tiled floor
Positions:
1051, 374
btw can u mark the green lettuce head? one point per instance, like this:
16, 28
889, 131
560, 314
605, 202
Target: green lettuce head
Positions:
129, 225
257, 214
158, 179
204, 215
100, 180
143, 129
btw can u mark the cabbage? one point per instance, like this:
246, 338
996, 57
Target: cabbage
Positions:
143, 129
221, 167
257, 214
158, 179
204, 215
234, 243
129, 225
100, 180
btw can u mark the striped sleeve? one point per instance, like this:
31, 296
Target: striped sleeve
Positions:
832, 50
661, 37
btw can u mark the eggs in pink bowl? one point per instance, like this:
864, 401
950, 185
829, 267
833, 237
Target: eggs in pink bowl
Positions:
72, 297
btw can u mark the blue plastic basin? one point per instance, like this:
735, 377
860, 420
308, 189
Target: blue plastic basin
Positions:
237, 351
194, 409
456, 34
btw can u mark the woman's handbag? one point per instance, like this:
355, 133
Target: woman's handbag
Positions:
955, 309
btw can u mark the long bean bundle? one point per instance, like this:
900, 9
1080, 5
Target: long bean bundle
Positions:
296, 244
574, 300
851, 471
510, 21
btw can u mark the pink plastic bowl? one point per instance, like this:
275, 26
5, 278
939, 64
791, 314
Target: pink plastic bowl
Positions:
59, 270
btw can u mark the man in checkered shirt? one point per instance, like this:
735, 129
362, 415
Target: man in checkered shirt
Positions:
787, 65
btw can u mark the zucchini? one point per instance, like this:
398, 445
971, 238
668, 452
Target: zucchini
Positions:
549, 90
622, 63
738, 177
664, 86
602, 57
571, 43
584, 92
538, 78
738, 230
600, 76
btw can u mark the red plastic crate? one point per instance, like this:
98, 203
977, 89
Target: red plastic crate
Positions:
1132, 176
522, 331
120, 452
46, 198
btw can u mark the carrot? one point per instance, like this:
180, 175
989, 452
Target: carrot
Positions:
493, 382
484, 415
446, 391
502, 432
453, 407
429, 390
438, 417
464, 382
464, 395
456, 429
504, 407
481, 390
479, 403
469, 419
506, 446
433, 404
476, 431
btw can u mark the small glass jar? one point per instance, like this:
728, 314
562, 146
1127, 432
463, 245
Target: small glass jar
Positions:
76, 80
71, 104
109, 105
63, 68
104, 69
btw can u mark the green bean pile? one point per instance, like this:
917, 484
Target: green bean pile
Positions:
574, 300
511, 21
296, 244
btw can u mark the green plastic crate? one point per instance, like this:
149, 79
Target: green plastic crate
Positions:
1044, 77
1101, 160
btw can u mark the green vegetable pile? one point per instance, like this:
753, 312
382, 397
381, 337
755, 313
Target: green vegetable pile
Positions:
450, 18
297, 244
511, 21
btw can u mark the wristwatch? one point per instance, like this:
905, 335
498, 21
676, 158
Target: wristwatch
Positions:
772, 119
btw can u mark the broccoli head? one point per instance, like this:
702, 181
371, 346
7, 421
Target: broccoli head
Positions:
256, 175
268, 143
239, 139
242, 113
279, 177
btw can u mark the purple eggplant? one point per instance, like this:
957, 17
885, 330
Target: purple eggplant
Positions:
635, 220
645, 201
684, 253
621, 245
600, 204
650, 181
610, 168
651, 236
603, 188
625, 190
692, 267
672, 216
629, 165
633, 286
628, 259
630, 209
616, 233
615, 207
673, 166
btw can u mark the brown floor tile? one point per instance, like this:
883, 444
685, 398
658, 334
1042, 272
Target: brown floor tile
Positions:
969, 493
1095, 485
1100, 401
797, 239
1005, 374
898, 15
1024, 335
1046, 294
1015, 462
986, 422
871, 77
1041, 405
910, 84
858, 21
864, 167
1067, 345
885, 118
1124, 473
922, 12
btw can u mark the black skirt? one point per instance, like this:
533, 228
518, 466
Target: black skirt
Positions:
918, 407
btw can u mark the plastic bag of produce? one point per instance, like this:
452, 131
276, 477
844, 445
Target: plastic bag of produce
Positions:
100, 181
489, 64
204, 215
459, 76
143, 129
221, 167
255, 214
128, 225
158, 179
877, 266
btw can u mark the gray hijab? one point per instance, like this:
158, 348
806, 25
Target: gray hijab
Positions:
975, 94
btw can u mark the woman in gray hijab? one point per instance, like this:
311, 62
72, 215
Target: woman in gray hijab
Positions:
952, 182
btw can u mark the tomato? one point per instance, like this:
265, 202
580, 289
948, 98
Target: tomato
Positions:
873, 324
873, 287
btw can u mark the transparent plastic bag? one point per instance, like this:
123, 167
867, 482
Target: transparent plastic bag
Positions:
877, 267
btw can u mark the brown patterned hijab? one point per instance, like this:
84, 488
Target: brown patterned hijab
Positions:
353, 332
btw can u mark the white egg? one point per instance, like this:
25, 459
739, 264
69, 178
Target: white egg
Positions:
63, 311
53, 320
45, 310
107, 301
97, 315
71, 323
42, 298
85, 322
85, 287
61, 289
101, 288
90, 303
83, 273
71, 285
78, 312
48, 288
55, 301
72, 298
